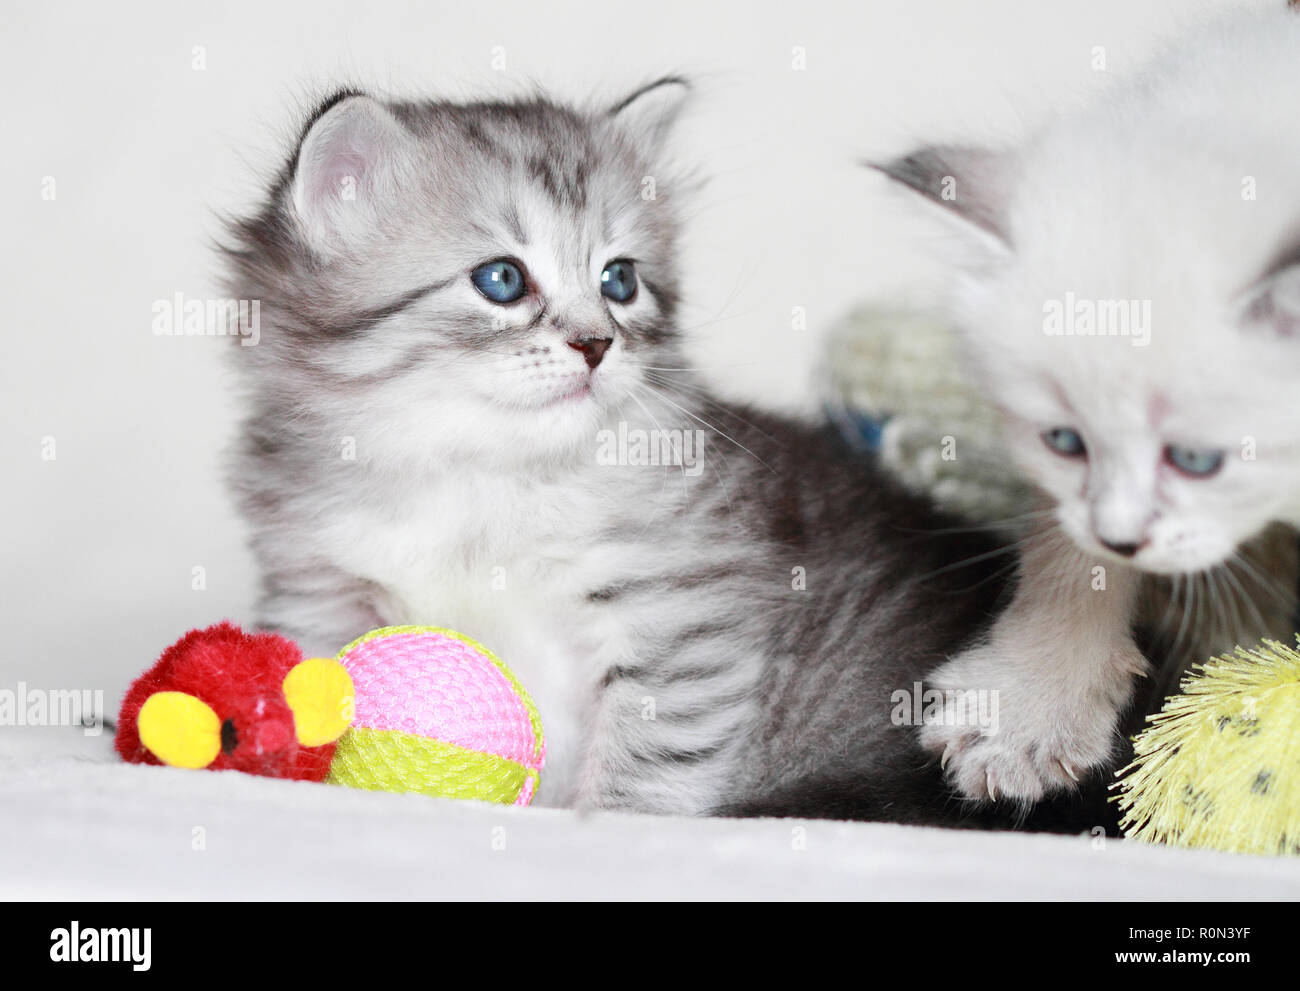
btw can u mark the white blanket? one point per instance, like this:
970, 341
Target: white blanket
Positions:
76, 824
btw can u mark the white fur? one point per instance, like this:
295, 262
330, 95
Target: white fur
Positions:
1138, 197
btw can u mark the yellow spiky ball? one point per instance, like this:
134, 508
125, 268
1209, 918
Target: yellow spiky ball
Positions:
1219, 766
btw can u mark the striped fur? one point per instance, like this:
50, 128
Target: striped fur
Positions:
719, 636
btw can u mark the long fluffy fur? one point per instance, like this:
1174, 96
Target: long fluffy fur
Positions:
1172, 199
719, 636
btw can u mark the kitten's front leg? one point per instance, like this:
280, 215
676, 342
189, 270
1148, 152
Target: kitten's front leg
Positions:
669, 737
321, 609
1058, 666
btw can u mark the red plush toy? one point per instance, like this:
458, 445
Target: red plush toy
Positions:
216, 698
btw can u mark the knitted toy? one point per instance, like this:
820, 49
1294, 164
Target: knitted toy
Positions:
405, 708
895, 385
1219, 766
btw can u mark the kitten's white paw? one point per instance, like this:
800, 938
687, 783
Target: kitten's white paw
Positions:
1029, 728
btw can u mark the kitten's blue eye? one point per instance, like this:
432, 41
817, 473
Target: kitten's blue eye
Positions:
500, 281
1197, 463
618, 281
1065, 442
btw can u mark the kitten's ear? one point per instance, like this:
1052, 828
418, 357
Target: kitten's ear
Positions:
349, 159
650, 111
1273, 303
971, 184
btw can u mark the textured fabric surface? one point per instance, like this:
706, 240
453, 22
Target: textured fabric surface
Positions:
76, 823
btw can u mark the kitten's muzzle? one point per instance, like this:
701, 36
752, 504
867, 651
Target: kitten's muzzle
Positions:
593, 348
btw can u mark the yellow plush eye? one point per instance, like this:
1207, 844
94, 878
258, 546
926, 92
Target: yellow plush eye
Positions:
320, 694
180, 730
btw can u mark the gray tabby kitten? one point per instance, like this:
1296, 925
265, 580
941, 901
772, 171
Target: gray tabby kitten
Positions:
471, 407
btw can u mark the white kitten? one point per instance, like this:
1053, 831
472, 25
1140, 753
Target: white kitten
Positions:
1131, 300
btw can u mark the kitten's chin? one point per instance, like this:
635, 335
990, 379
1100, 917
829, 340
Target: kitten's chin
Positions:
1186, 562
1168, 567
561, 424
1156, 560
572, 393
580, 393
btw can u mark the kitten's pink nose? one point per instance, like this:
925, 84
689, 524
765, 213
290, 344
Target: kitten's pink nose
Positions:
592, 348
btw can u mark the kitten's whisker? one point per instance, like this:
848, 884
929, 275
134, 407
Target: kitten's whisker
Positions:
986, 527
1229, 606
1249, 603
717, 430
702, 394
663, 488
1283, 594
994, 576
699, 368
722, 481
742, 279
974, 559
1246, 600
1187, 611
717, 318
719, 470
1212, 619
659, 426
1224, 606
721, 475
1171, 606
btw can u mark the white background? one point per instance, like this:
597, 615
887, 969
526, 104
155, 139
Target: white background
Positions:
99, 544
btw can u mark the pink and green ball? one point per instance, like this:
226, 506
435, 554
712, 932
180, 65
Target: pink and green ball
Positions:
438, 714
